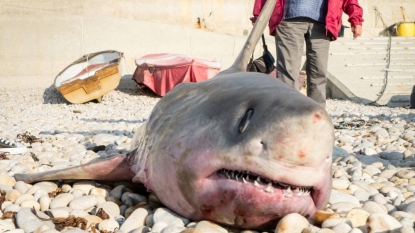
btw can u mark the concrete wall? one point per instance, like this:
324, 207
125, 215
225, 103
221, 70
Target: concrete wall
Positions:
41, 37
388, 11
38, 38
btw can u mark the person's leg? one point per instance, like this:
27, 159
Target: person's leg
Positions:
289, 38
317, 52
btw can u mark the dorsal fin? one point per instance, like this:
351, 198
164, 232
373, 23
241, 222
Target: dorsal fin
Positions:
242, 60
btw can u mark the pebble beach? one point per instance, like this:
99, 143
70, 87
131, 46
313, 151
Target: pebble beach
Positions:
372, 170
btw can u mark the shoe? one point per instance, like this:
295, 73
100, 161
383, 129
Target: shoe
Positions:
10, 147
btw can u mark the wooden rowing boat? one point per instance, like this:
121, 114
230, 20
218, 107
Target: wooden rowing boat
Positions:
90, 77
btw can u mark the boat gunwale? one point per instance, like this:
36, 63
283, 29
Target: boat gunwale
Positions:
86, 57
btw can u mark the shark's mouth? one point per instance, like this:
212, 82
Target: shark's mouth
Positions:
265, 184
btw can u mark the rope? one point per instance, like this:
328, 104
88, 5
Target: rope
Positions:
385, 80
355, 124
379, 16
126, 65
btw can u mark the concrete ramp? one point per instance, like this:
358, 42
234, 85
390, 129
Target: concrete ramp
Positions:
378, 70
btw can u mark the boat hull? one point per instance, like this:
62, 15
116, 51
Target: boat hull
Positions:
93, 87
90, 77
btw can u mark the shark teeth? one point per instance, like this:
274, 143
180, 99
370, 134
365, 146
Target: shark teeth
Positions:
264, 184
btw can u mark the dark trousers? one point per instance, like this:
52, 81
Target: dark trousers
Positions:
290, 36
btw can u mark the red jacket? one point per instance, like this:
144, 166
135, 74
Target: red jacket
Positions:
333, 18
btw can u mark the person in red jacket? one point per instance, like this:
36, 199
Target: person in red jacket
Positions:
317, 22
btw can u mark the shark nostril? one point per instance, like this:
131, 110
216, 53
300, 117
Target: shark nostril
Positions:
317, 117
264, 145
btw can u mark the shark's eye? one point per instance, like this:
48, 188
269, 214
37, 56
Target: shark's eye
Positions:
245, 120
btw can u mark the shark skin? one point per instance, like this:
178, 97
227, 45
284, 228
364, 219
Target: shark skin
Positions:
242, 149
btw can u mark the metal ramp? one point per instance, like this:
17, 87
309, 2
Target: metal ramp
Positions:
378, 70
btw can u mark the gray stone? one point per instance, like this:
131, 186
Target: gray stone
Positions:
135, 220
83, 202
27, 221
373, 207
61, 200
382, 132
343, 206
339, 152
166, 215
410, 208
117, 191
394, 155
21, 187
61, 212
342, 197
362, 195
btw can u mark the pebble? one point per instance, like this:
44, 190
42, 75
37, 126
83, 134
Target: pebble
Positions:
6, 225
373, 207
21, 186
47, 186
20, 231
12, 195
27, 221
334, 221
104, 139
110, 208
135, 220
173, 229
340, 184
12, 208
208, 226
92, 219
108, 225
159, 226
373, 167
83, 202
84, 186
357, 217
168, 216
44, 202
98, 192
343, 197
23, 198
292, 223
410, 208
7, 180
30, 204
61, 200
380, 222
117, 191
342, 228
60, 212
